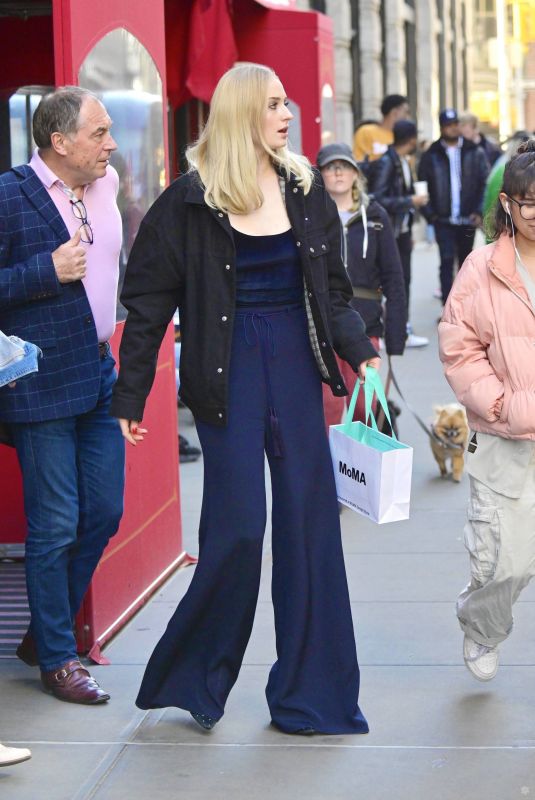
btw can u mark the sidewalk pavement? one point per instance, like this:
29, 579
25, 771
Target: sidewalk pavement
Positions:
435, 731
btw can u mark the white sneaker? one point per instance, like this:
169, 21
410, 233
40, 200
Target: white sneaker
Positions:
482, 661
13, 755
416, 341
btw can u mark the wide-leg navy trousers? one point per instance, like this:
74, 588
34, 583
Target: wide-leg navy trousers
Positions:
275, 407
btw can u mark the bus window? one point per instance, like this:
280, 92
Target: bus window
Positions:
22, 105
122, 73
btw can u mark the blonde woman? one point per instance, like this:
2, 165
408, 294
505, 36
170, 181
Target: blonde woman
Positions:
247, 245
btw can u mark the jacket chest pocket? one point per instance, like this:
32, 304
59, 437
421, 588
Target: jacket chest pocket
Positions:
318, 248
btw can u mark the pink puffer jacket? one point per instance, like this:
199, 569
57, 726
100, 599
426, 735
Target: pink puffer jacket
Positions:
487, 343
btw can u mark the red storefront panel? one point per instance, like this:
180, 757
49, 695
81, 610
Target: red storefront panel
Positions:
149, 543
298, 45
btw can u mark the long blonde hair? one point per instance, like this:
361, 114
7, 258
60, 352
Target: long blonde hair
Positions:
359, 192
225, 155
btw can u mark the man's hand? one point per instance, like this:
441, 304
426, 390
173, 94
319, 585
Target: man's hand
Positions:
370, 362
419, 200
131, 431
70, 260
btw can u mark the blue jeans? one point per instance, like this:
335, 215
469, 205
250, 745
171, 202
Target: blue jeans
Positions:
73, 480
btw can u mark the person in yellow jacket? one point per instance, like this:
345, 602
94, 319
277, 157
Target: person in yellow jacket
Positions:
371, 139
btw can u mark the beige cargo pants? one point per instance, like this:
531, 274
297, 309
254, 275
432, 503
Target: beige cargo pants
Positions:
500, 538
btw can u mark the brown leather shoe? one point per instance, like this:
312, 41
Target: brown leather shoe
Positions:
26, 650
73, 683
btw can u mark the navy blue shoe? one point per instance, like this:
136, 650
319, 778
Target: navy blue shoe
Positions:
206, 722
305, 732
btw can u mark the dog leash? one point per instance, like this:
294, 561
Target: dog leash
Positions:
430, 431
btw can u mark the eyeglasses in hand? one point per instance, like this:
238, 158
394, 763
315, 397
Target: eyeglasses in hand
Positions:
80, 212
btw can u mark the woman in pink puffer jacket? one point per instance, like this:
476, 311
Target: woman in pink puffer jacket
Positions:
487, 345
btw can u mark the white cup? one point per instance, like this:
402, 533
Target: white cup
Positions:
420, 188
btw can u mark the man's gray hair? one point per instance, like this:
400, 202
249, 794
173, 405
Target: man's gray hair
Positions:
58, 112
468, 118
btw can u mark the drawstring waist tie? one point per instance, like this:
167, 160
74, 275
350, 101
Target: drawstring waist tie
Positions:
258, 332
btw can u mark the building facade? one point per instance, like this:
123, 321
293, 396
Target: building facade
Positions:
419, 48
503, 65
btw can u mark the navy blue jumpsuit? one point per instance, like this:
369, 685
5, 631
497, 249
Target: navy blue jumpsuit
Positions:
275, 408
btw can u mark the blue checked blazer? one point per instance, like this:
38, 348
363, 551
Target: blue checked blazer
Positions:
37, 308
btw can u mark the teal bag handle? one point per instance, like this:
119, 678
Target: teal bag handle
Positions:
373, 385
352, 405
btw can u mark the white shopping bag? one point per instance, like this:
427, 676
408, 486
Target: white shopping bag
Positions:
372, 470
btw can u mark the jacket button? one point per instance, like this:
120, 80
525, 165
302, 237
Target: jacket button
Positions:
310, 294
324, 344
311, 249
295, 190
219, 369
220, 415
220, 215
224, 319
298, 244
338, 386
88, 320
227, 266
324, 247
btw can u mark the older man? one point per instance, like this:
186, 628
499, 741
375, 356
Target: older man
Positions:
60, 237
469, 128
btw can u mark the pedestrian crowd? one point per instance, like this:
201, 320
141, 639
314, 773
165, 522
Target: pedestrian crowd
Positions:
289, 280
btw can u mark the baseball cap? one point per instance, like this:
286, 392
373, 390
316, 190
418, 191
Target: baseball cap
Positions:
447, 116
336, 151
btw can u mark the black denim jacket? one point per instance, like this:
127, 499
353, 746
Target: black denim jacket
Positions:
184, 256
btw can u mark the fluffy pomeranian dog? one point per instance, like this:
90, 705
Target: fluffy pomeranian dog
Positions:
451, 429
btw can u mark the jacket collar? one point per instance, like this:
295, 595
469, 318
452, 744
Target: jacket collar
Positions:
503, 257
438, 147
195, 196
39, 197
195, 192
502, 262
294, 200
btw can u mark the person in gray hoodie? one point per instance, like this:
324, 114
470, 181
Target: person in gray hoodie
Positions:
371, 258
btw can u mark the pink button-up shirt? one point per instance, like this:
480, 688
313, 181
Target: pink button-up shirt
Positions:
102, 274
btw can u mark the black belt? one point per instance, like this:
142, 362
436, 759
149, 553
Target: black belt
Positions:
103, 349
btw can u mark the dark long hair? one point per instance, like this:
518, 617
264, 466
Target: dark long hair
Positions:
518, 181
